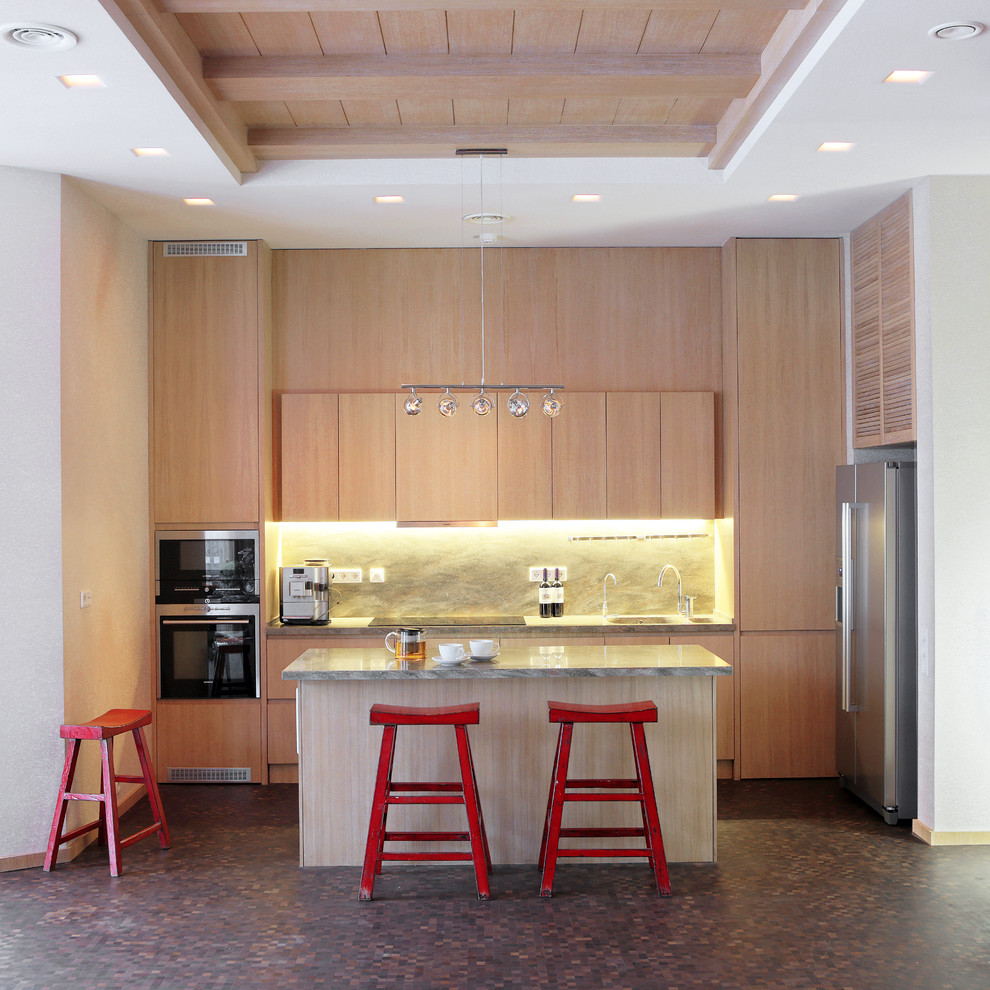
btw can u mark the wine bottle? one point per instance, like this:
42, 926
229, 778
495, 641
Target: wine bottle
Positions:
546, 597
558, 594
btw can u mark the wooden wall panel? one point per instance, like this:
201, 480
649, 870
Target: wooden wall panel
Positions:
787, 705
790, 430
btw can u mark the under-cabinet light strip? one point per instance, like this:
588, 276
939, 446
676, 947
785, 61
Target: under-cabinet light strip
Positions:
655, 536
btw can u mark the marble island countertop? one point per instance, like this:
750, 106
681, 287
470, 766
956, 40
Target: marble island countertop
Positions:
327, 664
567, 624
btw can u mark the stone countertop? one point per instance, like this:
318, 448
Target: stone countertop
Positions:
568, 624
327, 664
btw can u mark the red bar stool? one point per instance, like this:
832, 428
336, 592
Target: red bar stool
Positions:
641, 786
110, 724
388, 792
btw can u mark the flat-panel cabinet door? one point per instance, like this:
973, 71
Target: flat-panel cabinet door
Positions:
525, 479
366, 483
446, 468
308, 452
687, 455
632, 431
578, 442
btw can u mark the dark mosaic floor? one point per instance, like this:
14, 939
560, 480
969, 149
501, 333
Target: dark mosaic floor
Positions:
811, 891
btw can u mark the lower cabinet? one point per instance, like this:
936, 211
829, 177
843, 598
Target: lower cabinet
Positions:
787, 704
208, 742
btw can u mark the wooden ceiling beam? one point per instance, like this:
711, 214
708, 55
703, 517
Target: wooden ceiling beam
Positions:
350, 6
667, 140
350, 77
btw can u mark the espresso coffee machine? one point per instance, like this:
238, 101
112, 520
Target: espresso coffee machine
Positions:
306, 593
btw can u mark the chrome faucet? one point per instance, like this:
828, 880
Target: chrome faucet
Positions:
682, 608
605, 593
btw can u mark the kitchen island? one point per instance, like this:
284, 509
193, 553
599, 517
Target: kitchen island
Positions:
513, 746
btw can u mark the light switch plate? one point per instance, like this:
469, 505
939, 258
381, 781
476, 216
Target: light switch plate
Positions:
85, 599
376, 575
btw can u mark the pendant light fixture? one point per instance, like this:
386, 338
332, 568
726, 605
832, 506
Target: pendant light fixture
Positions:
482, 404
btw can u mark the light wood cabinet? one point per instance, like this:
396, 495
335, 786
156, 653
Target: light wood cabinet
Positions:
366, 446
525, 479
308, 462
211, 736
632, 432
446, 467
788, 314
687, 455
205, 420
787, 704
578, 455
725, 717
883, 328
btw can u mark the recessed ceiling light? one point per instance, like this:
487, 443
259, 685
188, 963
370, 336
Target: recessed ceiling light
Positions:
71, 82
836, 146
39, 37
389, 199
150, 152
783, 197
956, 30
198, 202
586, 198
907, 76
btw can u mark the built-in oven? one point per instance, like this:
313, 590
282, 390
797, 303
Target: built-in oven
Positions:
208, 614
208, 650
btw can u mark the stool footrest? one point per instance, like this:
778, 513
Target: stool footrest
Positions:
426, 785
612, 833
76, 832
604, 797
138, 836
602, 782
605, 852
427, 836
439, 799
436, 857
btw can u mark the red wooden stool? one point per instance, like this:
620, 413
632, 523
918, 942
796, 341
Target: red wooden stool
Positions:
463, 792
635, 714
104, 728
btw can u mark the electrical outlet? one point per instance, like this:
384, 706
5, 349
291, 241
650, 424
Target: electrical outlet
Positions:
563, 572
347, 575
376, 575
536, 574
85, 599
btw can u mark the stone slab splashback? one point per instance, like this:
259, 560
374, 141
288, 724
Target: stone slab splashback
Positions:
471, 571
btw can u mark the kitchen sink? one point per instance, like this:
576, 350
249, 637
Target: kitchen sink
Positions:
659, 620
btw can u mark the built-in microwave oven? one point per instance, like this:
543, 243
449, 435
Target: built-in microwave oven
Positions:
207, 566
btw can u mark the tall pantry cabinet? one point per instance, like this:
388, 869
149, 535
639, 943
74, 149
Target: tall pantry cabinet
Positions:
783, 438
210, 426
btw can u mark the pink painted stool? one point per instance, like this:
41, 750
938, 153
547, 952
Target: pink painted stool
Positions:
110, 724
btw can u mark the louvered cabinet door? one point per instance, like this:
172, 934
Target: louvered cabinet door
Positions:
883, 328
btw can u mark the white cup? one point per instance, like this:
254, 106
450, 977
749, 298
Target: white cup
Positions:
484, 647
451, 651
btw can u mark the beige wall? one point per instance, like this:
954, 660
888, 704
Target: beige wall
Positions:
104, 471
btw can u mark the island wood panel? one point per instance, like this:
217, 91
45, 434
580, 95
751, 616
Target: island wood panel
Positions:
687, 455
525, 482
205, 387
616, 319
632, 434
366, 446
308, 450
513, 748
725, 717
790, 430
446, 467
208, 734
371, 320
787, 704
578, 449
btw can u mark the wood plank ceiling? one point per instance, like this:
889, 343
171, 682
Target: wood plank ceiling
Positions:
307, 79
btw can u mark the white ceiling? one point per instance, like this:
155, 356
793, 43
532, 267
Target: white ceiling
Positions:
901, 133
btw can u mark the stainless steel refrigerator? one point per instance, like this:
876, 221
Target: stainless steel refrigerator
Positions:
876, 651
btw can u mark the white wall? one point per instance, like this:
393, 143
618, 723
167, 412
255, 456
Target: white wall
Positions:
30, 509
954, 493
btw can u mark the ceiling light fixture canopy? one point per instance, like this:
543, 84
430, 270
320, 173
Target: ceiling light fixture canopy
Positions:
518, 402
39, 37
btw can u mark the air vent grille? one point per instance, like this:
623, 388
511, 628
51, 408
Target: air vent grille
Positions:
206, 249
209, 775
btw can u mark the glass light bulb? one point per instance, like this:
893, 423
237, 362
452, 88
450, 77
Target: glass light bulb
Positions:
551, 405
447, 404
413, 405
518, 404
481, 404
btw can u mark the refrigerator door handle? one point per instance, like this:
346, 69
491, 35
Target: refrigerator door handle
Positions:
848, 603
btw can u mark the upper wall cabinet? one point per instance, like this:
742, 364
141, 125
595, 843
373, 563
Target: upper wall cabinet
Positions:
207, 353
578, 452
883, 328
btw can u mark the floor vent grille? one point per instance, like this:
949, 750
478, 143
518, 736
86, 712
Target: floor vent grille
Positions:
209, 775
206, 249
